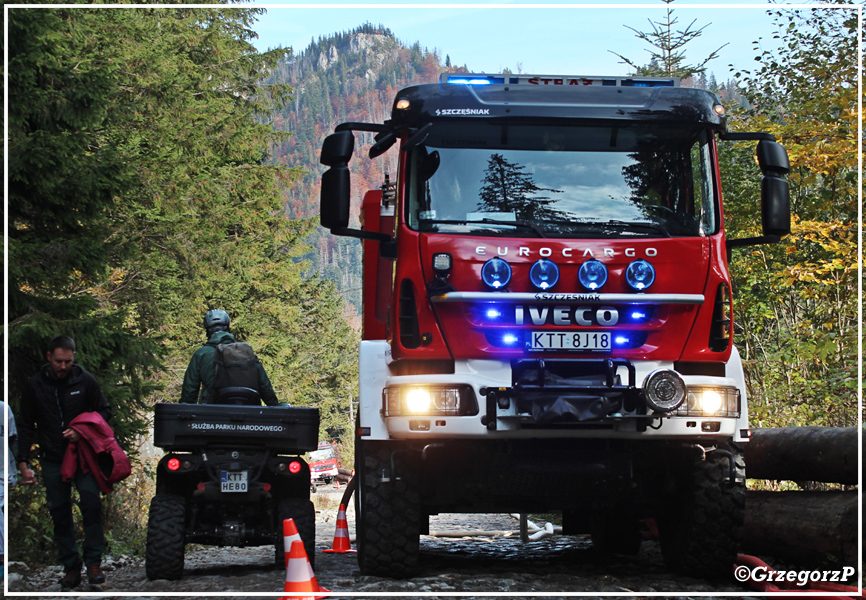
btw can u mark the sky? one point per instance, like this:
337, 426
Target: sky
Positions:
556, 39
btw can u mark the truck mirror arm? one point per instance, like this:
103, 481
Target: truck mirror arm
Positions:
739, 136
362, 234
754, 241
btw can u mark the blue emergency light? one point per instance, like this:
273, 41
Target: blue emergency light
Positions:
556, 80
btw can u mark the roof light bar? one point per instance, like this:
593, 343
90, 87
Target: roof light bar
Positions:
556, 80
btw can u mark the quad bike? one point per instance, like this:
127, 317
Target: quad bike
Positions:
232, 473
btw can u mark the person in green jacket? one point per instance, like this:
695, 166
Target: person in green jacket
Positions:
201, 372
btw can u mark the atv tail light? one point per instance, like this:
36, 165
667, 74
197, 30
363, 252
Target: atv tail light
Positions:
173, 464
295, 467
664, 390
711, 402
406, 400
544, 274
592, 274
640, 275
496, 273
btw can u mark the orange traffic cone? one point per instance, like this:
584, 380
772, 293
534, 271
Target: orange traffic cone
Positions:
300, 578
341, 543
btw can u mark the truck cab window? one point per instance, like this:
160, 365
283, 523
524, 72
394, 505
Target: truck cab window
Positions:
563, 181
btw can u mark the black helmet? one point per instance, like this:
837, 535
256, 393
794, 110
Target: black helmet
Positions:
216, 320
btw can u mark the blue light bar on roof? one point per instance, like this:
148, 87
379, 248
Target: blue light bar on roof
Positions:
474, 80
556, 80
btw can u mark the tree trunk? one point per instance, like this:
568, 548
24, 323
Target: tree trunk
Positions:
825, 454
811, 529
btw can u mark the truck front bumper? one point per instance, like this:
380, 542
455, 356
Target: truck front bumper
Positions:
510, 404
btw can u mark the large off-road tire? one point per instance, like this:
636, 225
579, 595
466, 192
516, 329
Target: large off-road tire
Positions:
165, 537
702, 531
387, 509
616, 533
303, 513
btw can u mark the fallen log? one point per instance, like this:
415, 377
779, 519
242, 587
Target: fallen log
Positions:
811, 529
825, 454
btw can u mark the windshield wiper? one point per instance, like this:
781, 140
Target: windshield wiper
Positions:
515, 224
638, 224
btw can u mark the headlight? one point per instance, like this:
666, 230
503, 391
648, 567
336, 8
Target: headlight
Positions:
544, 274
496, 273
592, 274
711, 402
418, 401
664, 390
413, 400
640, 275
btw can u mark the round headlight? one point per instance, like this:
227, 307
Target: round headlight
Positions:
640, 275
592, 274
496, 273
544, 274
664, 390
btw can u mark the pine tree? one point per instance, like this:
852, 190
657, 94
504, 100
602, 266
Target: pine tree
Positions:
667, 57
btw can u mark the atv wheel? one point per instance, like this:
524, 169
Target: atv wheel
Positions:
702, 531
165, 538
387, 508
303, 513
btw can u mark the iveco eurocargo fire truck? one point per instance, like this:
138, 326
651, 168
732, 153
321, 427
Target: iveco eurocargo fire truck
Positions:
547, 321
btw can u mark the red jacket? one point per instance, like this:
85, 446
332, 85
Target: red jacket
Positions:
96, 452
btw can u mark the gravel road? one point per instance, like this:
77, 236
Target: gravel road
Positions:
566, 564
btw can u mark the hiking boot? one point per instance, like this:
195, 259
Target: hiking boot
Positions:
95, 574
72, 578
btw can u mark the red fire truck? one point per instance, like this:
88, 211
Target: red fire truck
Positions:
323, 464
547, 320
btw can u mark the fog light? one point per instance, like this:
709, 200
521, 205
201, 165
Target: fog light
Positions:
173, 464
544, 274
592, 274
664, 390
496, 273
295, 467
640, 275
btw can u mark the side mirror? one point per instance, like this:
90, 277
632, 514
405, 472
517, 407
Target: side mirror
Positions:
336, 152
775, 196
773, 158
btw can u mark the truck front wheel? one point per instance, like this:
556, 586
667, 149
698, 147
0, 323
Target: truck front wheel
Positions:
387, 505
165, 537
701, 531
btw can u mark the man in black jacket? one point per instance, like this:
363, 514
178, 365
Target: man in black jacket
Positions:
58, 393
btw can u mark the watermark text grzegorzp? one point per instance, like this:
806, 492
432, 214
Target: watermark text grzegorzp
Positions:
763, 573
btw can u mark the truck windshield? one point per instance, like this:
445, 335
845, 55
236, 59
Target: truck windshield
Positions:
322, 455
532, 180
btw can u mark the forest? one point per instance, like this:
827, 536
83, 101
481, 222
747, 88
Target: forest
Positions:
160, 166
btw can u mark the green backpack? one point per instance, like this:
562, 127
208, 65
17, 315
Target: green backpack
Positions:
236, 365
